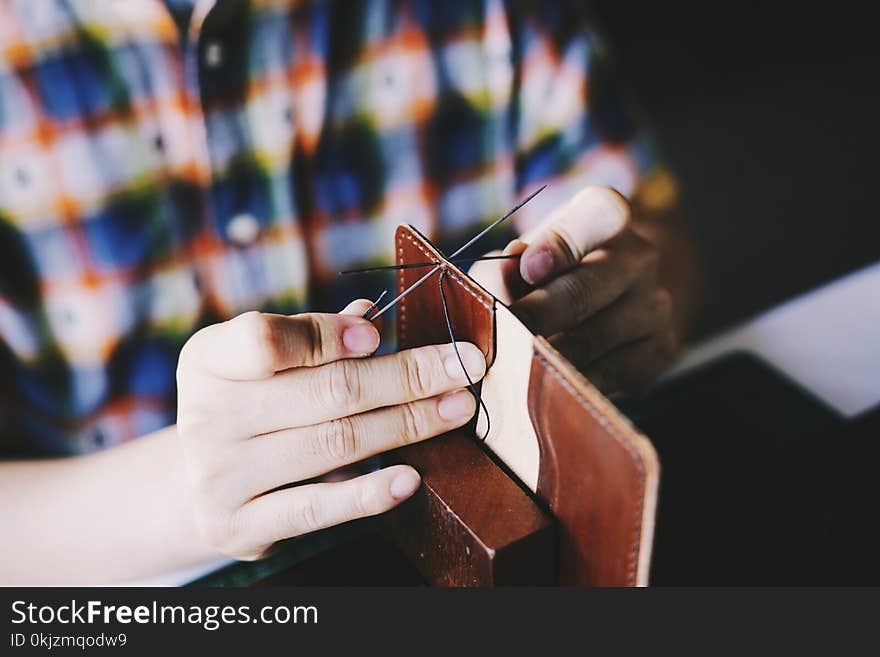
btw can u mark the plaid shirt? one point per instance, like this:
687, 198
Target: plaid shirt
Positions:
168, 165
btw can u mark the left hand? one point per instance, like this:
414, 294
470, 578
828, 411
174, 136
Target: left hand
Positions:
588, 282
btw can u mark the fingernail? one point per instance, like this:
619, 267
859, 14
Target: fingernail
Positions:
537, 266
471, 356
404, 484
361, 338
457, 405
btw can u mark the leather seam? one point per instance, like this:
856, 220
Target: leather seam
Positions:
636, 542
474, 293
401, 314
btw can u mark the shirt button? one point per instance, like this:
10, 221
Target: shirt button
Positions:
213, 54
243, 229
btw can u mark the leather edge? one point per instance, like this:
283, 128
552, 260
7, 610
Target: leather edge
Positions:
424, 245
636, 443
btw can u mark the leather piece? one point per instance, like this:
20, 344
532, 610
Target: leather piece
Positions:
505, 390
597, 474
460, 534
475, 318
470, 306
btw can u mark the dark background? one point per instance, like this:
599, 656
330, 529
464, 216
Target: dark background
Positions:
768, 112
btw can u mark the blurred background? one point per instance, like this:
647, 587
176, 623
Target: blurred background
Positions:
769, 112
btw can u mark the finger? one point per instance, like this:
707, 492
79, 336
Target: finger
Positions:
591, 218
628, 369
302, 396
303, 509
603, 276
356, 308
306, 452
256, 345
642, 311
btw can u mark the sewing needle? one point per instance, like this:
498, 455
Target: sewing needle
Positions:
405, 292
374, 304
457, 252
499, 220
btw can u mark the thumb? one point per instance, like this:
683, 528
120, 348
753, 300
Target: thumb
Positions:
590, 219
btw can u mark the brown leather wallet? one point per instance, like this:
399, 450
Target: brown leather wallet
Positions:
571, 455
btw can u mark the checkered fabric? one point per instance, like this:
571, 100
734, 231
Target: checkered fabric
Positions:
167, 165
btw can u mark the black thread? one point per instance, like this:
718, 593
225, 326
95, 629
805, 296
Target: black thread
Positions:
471, 385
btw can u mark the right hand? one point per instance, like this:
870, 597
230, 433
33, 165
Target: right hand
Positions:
265, 401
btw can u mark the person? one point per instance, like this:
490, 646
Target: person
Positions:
180, 181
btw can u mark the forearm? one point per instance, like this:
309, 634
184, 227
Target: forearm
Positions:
113, 516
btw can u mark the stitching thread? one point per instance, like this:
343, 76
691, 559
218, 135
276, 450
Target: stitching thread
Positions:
401, 318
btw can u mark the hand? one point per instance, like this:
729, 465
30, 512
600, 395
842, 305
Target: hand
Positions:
266, 401
589, 283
